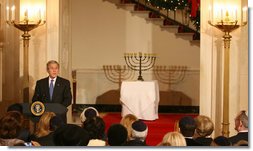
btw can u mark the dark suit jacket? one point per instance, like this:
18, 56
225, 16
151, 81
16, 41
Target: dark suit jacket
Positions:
135, 142
61, 93
238, 137
24, 135
44, 140
204, 141
192, 142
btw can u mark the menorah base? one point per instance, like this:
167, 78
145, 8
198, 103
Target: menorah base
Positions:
140, 78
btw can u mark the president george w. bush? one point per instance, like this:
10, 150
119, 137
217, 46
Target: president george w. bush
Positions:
53, 89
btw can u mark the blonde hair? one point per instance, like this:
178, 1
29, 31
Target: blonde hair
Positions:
173, 139
204, 125
127, 122
43, 127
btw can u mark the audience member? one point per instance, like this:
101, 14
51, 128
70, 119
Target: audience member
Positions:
96, 128
139, 134
204, 130
56, 122
24, 133
71, 135
88, 112
43, 135
117, 135
127, 122
241, 126
11, 124
173, 139
15, 107
187, 126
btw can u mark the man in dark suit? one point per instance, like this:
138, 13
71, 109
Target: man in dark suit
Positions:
241, 126
187, 128
53, 89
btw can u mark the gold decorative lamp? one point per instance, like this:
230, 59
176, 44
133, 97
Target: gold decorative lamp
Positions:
226, 21
32, 15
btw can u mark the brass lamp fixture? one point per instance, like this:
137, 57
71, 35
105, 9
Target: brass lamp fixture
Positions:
31, 18
226, 21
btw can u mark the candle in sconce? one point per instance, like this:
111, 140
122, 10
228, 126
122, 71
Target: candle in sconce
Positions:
43, 15
227, 17
7, 13
235, 13
244, 14
209, 12
39, 14
26, 14
221, 14
13, 13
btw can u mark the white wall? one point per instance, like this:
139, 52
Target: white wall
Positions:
102, 33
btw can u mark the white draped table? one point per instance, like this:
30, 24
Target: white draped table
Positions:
140, 98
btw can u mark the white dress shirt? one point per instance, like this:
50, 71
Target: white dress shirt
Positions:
49, 81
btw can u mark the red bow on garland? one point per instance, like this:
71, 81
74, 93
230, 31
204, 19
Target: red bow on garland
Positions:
195, 6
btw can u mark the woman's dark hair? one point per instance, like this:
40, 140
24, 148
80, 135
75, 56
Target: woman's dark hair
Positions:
15, 107
11, 124
117, 135
95, 126
56, 122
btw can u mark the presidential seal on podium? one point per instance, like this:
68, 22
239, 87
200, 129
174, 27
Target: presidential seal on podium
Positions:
37, 108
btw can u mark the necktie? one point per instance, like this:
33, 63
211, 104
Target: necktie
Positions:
51, 89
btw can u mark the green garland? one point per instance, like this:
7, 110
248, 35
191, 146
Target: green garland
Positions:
173, 5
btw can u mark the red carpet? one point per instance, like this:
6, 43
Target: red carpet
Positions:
156, 129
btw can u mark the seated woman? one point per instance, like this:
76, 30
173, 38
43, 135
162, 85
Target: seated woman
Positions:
88, 112
173, 139
43, 134
96, 129
24, 133
10, 127
127, 122
204, 129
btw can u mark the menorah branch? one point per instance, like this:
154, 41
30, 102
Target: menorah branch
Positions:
117, 73
170, 75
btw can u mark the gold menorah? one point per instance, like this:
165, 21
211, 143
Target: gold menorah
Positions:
170, 74
117, 73
140, 62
